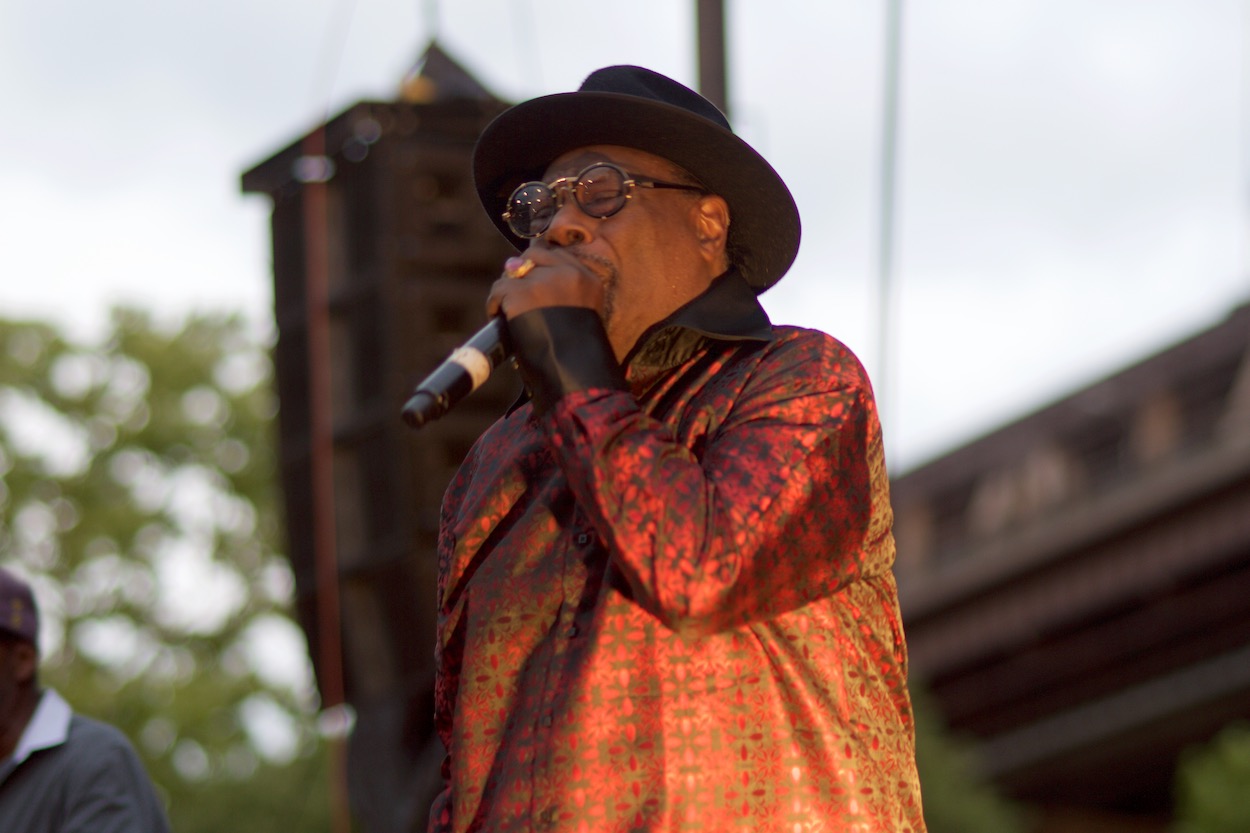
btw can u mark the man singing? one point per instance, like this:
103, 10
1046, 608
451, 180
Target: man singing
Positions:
665, 589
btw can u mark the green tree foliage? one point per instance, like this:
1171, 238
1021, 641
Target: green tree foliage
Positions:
1213, 784
956, 798
138, 492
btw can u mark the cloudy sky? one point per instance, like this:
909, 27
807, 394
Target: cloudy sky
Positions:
1072, 189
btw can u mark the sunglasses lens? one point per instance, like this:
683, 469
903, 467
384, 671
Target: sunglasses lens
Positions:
601, 191
530, 209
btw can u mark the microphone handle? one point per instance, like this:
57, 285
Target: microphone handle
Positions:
463, 372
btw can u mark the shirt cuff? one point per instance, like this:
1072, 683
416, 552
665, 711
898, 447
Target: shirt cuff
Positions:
562, 350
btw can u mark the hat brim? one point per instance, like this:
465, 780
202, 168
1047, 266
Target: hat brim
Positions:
519, 144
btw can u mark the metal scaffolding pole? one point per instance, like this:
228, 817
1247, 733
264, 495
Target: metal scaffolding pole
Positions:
885, 382
711, 33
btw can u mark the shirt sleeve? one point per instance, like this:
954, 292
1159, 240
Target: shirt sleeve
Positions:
562, 350
449, 642
786, 502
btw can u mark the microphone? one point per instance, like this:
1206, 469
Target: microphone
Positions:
463, 372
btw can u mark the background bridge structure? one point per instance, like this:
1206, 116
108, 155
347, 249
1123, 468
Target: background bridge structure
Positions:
1075, 584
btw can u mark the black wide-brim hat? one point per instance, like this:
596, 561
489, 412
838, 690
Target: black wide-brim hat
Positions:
637, 108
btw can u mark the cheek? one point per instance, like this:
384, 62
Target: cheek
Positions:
667, 243
652, 256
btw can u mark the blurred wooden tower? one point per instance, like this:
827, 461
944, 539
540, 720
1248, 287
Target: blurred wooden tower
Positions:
408, 258
1075, 583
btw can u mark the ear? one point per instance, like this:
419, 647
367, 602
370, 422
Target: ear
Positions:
712, 229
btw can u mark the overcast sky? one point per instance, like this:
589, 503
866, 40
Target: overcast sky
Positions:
1072, 189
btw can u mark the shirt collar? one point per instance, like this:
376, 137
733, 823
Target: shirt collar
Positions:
48, 727
727, 310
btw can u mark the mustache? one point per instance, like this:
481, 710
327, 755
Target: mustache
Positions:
605, 269
598, 264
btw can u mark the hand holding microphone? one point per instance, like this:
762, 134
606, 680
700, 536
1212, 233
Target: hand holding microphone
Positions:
564, 282
468, 367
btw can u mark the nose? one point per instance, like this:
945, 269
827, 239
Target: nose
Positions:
569, 227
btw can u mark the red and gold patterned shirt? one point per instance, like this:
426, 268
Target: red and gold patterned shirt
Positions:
672, 608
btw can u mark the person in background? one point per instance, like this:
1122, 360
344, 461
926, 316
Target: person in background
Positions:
666, 599
60, 772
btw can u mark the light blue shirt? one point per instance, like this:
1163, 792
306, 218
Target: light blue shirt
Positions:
72, 774
48, 727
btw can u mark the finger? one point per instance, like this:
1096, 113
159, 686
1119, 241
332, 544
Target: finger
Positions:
494, 301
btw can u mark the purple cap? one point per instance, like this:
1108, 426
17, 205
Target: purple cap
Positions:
18, 615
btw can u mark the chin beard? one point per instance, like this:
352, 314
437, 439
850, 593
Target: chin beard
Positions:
607, 274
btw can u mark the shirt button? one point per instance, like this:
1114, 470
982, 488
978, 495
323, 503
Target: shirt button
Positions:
573, 631
583, 538
545, 721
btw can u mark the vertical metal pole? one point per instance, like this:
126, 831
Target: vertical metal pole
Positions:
430, 10
1244, 96
325, 558
885, 242
710, 24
